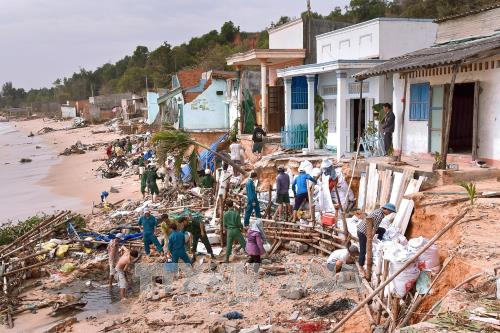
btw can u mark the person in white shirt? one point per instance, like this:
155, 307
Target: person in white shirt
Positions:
237, 154
339, 257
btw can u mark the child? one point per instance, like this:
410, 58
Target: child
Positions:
255, 243
122, 267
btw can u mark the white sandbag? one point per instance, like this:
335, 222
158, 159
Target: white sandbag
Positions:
405, 281
427, 260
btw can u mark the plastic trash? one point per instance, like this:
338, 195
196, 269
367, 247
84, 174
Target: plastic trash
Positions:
67, 267
233, 315
62, 250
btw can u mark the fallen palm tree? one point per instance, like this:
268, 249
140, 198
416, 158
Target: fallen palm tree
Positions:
179, 143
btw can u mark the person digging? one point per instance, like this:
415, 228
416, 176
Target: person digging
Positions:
197, 229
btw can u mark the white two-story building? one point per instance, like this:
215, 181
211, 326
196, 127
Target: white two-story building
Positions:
341, 54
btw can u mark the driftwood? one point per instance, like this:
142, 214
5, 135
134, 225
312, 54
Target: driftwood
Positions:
399, 271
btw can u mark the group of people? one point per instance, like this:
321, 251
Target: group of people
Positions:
119, 148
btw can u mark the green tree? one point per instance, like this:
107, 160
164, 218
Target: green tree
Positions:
228, 32
133, 80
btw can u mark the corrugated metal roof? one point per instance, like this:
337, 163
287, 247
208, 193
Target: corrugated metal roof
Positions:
468, 13
439, 55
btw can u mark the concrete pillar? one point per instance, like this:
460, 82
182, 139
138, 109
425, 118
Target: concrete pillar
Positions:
341, 126
273, 75
263, 94
310, 113
288, 102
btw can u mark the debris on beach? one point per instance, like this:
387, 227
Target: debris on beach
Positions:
25, 160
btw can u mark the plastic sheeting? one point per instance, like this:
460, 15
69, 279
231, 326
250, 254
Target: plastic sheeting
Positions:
207, 158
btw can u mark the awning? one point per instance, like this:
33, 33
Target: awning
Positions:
440, 55
270, 56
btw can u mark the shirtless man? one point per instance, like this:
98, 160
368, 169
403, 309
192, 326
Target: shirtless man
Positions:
122, 266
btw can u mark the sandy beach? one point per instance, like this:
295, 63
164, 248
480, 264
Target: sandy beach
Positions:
61, 182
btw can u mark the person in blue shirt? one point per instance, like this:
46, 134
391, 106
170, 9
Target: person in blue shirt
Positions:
148, 223
299, 188
177, 244
252, 201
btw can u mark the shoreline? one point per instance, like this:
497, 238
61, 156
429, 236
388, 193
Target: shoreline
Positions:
73, 177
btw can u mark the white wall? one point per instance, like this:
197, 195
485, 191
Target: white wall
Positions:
208, 110
287, 36
376, 39
360, 41
416, 132
398, 37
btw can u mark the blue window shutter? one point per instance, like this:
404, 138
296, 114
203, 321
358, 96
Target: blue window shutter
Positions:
419, 101
299, 93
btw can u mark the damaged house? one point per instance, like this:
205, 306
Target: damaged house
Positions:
198, 101
290, 44
445, 97
340, 54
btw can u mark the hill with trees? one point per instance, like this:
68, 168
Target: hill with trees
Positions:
209, 52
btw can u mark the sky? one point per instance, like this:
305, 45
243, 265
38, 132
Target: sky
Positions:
43, 40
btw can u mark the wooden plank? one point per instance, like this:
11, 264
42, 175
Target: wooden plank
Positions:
362, 187
371, 195
407, 177
385, 188
403, 215
396, 186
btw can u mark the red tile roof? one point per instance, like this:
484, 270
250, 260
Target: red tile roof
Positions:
189, 77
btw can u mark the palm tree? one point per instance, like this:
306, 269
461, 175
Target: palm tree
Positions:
178, 143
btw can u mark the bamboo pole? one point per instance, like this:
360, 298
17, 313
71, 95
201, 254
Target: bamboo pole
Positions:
395, 307
376, 298
27, 267
401, 269
353, 169
449, 111
369, 252
403, 119
419, 299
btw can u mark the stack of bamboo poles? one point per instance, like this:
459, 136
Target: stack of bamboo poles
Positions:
19, 257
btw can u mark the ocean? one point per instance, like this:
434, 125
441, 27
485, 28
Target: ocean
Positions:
21, 195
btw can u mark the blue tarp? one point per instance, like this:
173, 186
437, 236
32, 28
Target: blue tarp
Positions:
207, 158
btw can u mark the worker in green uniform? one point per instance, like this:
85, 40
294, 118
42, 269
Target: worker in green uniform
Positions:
148, 224
151, 178
233, 226
197, 230
144, 178
208, 180
177, 243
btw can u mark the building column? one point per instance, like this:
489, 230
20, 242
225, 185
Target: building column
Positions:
340, 134
263, 94
397, 108
310, 112
288, 102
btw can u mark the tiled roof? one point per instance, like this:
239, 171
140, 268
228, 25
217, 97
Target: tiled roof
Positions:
439, 55
470, 12
189, 77
224, 75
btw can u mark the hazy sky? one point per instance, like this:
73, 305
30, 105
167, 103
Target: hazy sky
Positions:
46, 39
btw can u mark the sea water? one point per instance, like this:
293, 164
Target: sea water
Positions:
21, 195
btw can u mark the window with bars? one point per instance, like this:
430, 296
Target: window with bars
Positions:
299, 93
329, 90
419, 101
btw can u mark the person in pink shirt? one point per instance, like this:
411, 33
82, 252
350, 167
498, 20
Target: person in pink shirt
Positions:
255, 242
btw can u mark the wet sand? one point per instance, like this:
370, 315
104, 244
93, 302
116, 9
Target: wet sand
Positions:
52, 182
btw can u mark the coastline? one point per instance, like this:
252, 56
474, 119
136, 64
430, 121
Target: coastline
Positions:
70, 180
